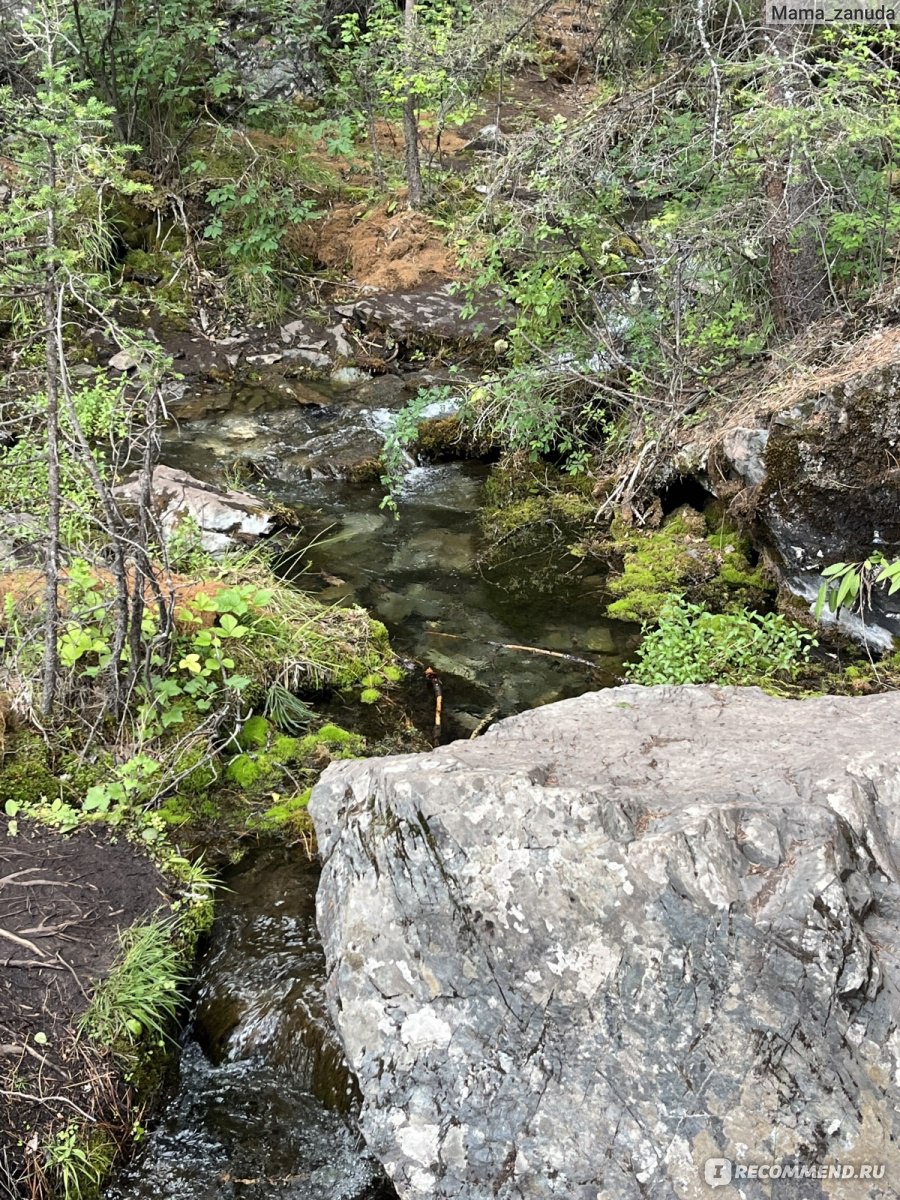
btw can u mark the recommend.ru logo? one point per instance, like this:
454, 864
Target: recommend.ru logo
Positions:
718, 1172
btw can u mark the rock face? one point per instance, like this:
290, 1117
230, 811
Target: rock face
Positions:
827, 472
428, 313
224, 518
620, 939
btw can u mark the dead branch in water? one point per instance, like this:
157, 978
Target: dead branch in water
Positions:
438, 690
572, 658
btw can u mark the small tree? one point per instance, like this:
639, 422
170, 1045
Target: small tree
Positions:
54, 246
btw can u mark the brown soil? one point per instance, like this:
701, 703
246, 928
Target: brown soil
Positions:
383, 250
568, 33
25, 589
63, 901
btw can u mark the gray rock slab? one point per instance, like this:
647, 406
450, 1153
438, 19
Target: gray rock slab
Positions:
621, 942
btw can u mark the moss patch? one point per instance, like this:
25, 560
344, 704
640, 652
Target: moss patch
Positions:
446, 439
254, 734
531, 517
289, 815
707, 561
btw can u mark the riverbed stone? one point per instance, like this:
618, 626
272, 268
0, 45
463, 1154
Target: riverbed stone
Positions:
621, 944
225, 518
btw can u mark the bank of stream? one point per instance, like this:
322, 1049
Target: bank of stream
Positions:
262, 1106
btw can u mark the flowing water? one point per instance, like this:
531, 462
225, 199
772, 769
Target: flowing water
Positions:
420, 574
263, 1107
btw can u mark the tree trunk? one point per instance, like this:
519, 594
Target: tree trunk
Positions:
797, 269
410, 121
51, 591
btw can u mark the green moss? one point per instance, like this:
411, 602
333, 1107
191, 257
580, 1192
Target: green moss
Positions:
446, 439
518, 515
244, 770
155, 274
194, 770
285, 749
334, 741
179, 809
573, 507
520, 494
683, 558
256, 770
25, 776
656, 565
290, 814
254, 734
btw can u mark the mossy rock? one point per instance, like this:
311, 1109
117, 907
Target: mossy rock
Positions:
258, 770
446, 439
532, 520
682, 558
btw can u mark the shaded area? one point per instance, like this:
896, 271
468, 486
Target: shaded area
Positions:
264, 1105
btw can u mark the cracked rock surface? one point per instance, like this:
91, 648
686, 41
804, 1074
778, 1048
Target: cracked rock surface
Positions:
619, 936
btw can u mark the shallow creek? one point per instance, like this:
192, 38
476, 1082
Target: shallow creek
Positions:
262, 1106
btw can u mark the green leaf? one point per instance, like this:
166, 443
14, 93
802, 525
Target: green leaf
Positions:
97, 799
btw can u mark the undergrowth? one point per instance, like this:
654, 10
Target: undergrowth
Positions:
691, 645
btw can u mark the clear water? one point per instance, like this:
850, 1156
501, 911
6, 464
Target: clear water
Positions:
263, 1107
420, 573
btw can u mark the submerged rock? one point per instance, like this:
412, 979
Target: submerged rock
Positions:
225, 518
622, 945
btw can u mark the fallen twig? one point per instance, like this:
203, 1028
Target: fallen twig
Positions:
47, 1100
573, 658
484, 723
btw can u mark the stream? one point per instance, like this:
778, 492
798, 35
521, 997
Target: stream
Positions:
263, 1107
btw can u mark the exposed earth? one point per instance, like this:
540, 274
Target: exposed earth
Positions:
63, 903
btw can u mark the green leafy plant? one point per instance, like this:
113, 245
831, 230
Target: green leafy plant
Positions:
848, 585
400, 436
142, 993
77, 1160
692, 645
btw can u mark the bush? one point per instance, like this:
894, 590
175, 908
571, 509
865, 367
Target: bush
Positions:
691, 645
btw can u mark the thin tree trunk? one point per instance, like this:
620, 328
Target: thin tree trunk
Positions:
797, 271
51, 602
51, 288
410, 121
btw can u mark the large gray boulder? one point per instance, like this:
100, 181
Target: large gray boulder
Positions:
620, 939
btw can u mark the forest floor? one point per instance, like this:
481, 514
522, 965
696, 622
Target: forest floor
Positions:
63, 903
